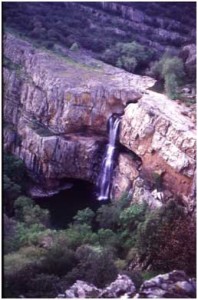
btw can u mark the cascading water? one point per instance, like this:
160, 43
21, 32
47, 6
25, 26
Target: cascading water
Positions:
104, 181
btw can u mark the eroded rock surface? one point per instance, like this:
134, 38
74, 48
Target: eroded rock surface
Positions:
175, 284
68, 93
51, 157
164, 138
56, 108
81, 289
121, 287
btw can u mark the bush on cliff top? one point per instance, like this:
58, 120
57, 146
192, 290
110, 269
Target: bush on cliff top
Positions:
171, 71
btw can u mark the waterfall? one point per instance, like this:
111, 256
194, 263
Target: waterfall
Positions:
104, 181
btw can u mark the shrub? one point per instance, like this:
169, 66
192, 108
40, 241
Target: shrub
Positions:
28, 235
167, 239
107, 238
171, 70
22, 204
131, 216
35, 285
9, 232
95, 265
177, 249
128, 63
80, 234
11, 192
133, 56
84, 216
110, 56
58, 260
26, 211
14, 168
108, 216
26, 256
129, 220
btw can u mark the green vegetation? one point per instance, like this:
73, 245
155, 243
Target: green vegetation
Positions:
171, 71
130, 56
133, 56
95, 247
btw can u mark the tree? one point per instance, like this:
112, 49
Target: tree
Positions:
26, 211
171, 71
133, 56
14, 168
95, 265
11, 192
84, 216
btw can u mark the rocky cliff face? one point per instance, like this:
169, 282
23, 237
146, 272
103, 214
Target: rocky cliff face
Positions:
162, 133
56, 110
55, 105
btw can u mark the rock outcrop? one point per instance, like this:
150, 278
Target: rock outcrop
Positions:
175, 284
56, 108
52, 157
162, 134
121, 287
67, 94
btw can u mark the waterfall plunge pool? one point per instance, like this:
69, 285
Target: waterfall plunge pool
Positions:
65, 205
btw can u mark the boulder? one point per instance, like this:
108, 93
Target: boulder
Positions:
82, 289
121, 287
175, 284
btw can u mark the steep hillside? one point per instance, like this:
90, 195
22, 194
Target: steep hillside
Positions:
156, 26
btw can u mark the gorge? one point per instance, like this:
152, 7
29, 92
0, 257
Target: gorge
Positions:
99, 161
49, 114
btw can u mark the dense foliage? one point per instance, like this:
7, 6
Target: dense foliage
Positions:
170, 69
40, 261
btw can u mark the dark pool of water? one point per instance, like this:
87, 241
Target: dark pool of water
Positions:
64, 205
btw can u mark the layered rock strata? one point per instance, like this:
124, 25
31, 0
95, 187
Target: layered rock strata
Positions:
163, 135
56, 108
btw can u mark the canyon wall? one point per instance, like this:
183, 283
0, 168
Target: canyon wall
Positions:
56, 108
162, 133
